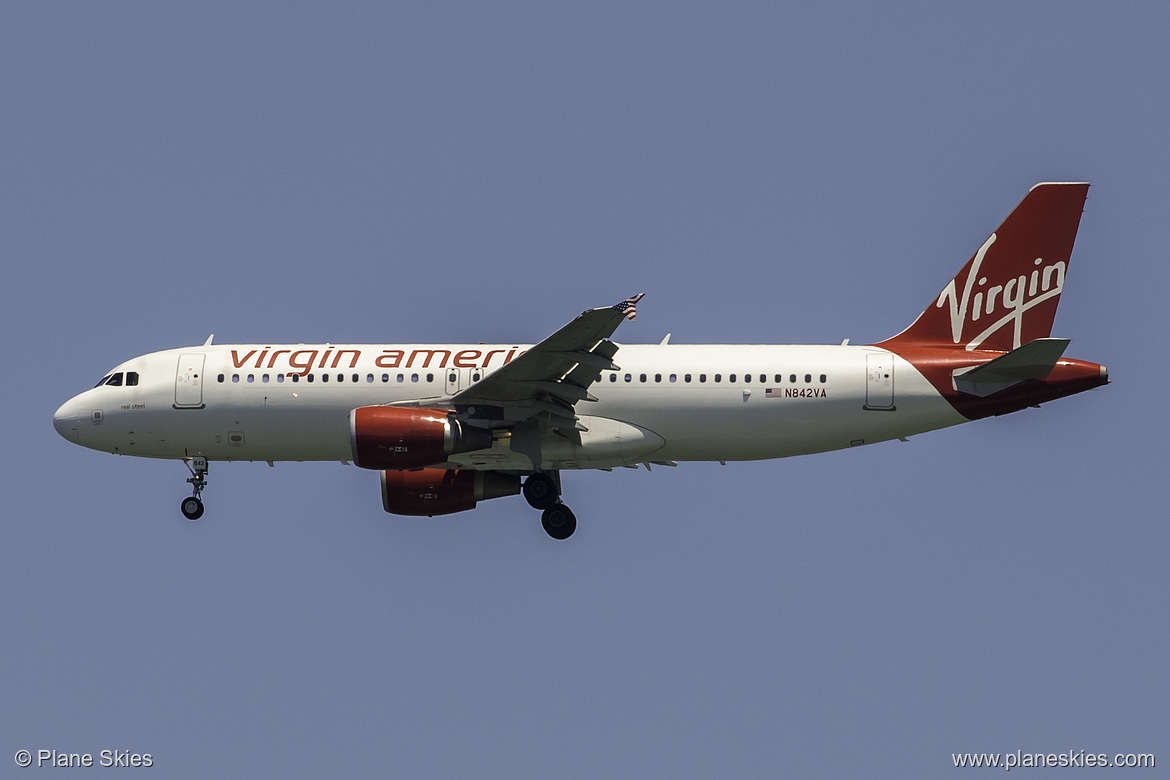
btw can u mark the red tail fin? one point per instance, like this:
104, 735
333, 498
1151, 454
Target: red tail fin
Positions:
1006, 295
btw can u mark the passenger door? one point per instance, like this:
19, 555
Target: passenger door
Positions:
879, 381
189, 382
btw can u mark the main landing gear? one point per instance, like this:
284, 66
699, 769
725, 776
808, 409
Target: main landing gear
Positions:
543, 491
192, 507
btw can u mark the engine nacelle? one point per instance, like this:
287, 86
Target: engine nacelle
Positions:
441, 492
398, 437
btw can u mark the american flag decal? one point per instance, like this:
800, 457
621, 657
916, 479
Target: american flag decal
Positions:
629, 307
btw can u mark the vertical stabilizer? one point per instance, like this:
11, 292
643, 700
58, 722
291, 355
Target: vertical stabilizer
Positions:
1006, 295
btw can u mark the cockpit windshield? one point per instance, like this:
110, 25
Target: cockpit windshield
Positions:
130, 378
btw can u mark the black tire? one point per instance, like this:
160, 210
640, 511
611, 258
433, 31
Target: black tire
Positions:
192, 508
559, 521
540, 491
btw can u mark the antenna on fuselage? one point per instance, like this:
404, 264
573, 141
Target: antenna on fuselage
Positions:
208, 342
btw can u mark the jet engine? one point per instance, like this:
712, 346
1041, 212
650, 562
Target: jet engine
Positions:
440, 492
396, 437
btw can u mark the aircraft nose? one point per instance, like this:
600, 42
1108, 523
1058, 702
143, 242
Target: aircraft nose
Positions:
66, 422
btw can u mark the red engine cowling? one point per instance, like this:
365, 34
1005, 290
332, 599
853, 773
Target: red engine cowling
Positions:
441, 492
395, 437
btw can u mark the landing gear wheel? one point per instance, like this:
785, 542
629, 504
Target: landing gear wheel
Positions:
559, 521
192, 508
540, 491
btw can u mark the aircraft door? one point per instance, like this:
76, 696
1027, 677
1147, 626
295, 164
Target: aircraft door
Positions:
456, 379
879, 381
189, 382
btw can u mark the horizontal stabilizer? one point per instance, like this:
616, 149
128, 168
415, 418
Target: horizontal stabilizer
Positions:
1034, 360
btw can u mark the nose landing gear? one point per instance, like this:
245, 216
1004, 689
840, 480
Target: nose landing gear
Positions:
192, 507
543, 491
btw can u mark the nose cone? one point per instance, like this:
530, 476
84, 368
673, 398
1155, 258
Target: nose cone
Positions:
66, 422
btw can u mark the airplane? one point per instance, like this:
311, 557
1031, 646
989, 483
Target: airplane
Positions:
449, 425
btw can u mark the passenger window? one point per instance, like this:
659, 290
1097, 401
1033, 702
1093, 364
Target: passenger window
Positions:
251, 378
779, 379
641, 377
613, 377
475, 377
686, 377
264, 379
731, 379
219, 379
822, 379
402, 378
106, 378
658, 377
235, 379
702, 377
355, 377
280, 378
324, 378
309, 378
719, 377
674, 377
430, 377
414, 377
451, 377
296, 377
115, 380
629, 377
369, 379
792, 378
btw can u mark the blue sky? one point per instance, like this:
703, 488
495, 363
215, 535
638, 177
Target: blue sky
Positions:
444, 172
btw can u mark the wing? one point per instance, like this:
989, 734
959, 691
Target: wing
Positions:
547, 381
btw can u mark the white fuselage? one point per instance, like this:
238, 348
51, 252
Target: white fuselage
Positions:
666, 403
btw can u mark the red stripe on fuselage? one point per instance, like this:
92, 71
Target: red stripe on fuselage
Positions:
938, 366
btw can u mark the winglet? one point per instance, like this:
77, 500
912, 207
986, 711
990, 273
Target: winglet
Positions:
629, 307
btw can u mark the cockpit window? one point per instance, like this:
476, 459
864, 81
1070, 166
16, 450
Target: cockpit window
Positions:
131, 379
115, 380
103, 380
